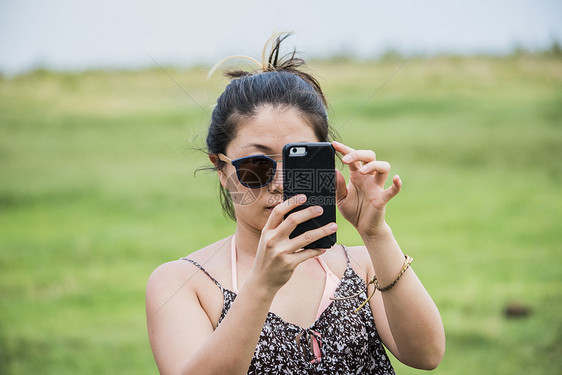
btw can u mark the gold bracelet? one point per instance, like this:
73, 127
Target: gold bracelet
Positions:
408, 260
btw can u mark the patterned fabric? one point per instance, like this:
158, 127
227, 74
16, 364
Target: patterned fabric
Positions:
349, 341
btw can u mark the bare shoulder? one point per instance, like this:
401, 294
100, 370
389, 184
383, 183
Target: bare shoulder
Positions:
360, 261
183, 306
171, 271
212, 254
168, 280
181, 277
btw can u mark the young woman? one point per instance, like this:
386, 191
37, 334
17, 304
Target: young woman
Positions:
256, 302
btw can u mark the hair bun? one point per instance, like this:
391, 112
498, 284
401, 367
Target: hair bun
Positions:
271, 62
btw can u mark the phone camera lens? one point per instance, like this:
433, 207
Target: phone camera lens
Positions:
294, 150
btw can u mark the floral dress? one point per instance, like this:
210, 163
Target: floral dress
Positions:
347, 340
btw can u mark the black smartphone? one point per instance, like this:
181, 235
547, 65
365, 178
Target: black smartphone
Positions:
309, 168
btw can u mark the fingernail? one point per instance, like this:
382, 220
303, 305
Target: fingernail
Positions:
346, 158
333, 227
318, 209
302, 198
363, 169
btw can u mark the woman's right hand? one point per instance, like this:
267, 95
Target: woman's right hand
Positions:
278, 255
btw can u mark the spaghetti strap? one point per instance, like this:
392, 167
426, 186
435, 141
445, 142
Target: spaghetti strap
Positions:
233, 259
346, 255
204, 270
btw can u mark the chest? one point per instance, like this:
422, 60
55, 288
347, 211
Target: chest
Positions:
296, 302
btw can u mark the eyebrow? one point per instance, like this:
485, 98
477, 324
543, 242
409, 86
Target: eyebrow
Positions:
259, 146
267, 148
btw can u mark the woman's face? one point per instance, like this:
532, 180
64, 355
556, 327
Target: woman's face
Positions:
265, 133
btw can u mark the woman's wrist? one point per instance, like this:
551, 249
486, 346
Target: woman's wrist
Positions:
259, 289
377, 234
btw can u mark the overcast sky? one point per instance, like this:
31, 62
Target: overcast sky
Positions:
74, 34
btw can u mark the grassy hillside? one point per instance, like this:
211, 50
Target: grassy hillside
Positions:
97, 190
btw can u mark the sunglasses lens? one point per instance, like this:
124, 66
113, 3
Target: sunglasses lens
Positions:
256, 171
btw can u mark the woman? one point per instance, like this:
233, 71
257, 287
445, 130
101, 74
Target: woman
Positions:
257, 302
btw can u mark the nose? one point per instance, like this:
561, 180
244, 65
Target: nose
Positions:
276, 184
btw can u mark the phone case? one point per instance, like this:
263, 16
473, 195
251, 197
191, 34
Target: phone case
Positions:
314, 175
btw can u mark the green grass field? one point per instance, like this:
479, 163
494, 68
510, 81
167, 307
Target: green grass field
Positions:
97, 190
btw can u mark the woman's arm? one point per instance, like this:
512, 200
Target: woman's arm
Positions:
181, 335
406, 317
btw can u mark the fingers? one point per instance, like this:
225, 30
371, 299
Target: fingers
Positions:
306, 254
359, 160
380, 168
391, 191
341, 148
298, 217
365, 162
345, 150
279, 212
284, 226
279, 231
364, 156
314, 234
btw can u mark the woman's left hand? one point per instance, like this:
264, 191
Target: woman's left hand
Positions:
362, 202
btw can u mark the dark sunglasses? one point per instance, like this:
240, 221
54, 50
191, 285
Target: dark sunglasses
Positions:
254, 171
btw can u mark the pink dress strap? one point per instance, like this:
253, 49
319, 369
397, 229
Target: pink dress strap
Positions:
330, 286
233, 265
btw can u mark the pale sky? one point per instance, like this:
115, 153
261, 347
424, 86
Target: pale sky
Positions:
75, 35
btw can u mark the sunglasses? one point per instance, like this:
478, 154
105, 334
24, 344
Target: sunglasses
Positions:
254, 171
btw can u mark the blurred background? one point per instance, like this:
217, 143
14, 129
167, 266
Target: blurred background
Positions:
104, 107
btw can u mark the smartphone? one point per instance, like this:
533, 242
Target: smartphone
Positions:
309, 168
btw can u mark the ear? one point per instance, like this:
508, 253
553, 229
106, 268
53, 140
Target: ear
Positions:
222, 176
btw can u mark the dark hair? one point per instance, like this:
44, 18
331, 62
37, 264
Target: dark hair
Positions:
279, 84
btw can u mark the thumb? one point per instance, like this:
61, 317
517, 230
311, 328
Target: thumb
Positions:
341, 188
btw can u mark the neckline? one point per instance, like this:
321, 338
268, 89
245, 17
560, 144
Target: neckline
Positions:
234, 276
234, 271
270, 313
